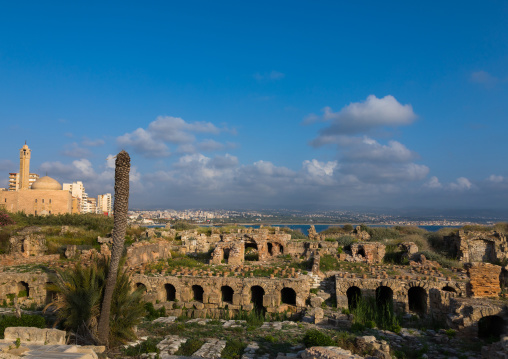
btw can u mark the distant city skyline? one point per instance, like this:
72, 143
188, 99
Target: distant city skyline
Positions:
226, 104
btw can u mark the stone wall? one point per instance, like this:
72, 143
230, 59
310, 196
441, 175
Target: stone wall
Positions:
466, 313
28, 242
484, 279
143, 252
372, 252
221, 292
33, 283
427, 297
475, 246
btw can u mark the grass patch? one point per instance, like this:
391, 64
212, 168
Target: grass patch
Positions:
190, 347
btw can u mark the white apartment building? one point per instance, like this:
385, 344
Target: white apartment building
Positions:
104, 204
78, 190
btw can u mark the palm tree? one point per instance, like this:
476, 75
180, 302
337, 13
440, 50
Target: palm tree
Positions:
79, 292
122, 168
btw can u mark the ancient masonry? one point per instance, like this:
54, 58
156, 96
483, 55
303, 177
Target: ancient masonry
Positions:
419, 288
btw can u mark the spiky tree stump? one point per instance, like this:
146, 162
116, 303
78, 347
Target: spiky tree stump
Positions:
122, 168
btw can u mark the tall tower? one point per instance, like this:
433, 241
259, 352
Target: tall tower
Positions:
24, 167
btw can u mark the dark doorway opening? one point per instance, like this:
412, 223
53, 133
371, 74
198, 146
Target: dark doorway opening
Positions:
170, 292
141, 287
417, 300
227, 294
23, 290
449, 289
354, 295
198, 291
361, 252
270, 249
251, 252
288, 296
256, 297
384, 298
491, 327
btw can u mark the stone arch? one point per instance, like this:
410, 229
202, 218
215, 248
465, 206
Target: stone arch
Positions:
288, 296
256, 297
170, 291
384, 297
417, 300
270, 248
197, 293
448, 288
251, 251
23, 289
227, 294
142, 287
354, 294
491, 326
361, 252
225, 253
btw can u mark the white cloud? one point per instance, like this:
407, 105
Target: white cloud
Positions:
496, 179
210, 145
143, 142
363, 117
433, 182
483, 78
368, 149
153, 141
461, 184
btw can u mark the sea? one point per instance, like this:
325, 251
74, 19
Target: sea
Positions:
304, 228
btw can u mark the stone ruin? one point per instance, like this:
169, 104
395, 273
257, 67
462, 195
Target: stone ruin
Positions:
370, 252
420, 289
484, 280
232, 247
478, 246
28, 242
145, 252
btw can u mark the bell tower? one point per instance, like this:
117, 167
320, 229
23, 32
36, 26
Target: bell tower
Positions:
24, 167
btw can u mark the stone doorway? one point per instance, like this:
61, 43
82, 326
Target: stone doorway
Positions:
256, 297
197, 292
227, 294
170, 292
23, 289
491, 327
288, 296
417, 300
141, 287
384, 298
354, 295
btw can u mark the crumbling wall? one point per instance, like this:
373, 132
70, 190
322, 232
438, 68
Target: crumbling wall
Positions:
476, 246
437, 300
212, 302
484, 279
370, 252
143, 252
28, 242
11, 284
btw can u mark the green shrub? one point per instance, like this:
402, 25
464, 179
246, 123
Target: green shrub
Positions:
346, 241
152, 313
190, 347
316, 338
233, 350
328, 263
148, 346
25, 320
369, 313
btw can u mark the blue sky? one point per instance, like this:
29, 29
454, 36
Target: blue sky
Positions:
229, 104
